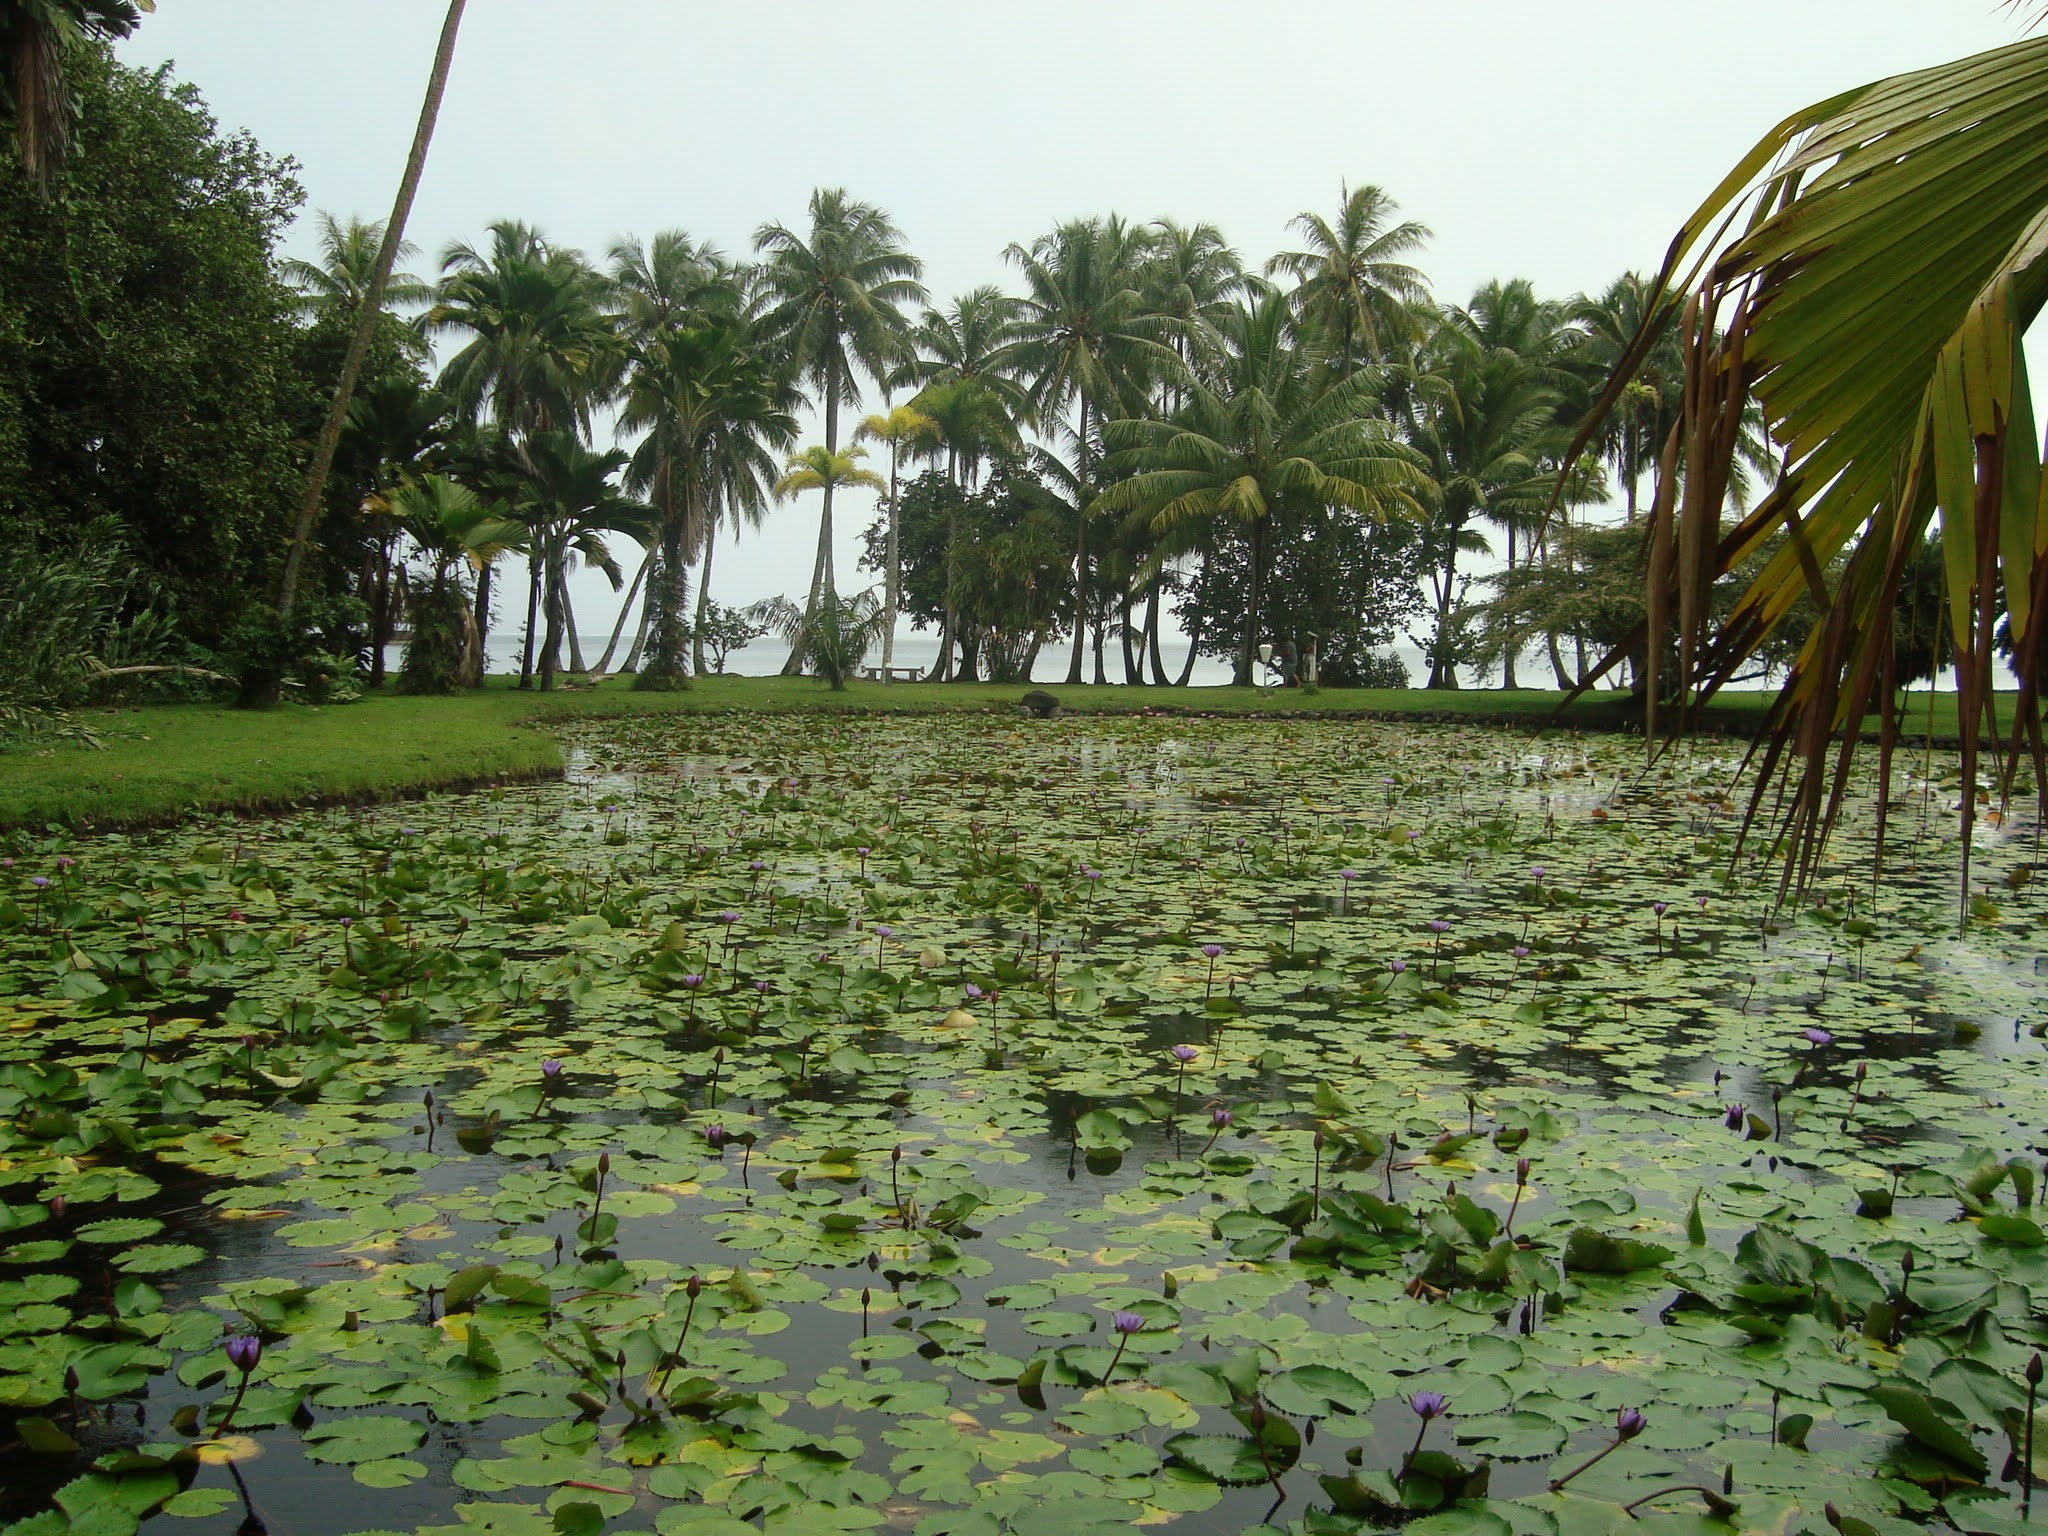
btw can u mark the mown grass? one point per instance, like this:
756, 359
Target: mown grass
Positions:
162, 762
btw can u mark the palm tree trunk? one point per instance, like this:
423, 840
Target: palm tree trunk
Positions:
891, 576
1081, 554
483, 610
366, 321
533, 564
632, 663
703, 598
1441, 675
604, 662
1101, 676
942, 669
1187, 668
821, 571
1507, 666
1258, 592
569, 628
1131, 673
551, 645
380, 613
1152, 655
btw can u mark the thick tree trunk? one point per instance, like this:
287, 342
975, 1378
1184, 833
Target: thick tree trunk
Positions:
942, 669
533, 564
1258, 592
483, 609
970, 658
604, 662
551, 645
1101, 676
1131, 674
1442, 675
366, 321
703, 599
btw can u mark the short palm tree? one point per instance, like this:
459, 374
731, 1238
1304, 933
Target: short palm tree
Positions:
1272, 427
570, 500
833, 297
836, 635
904, 427
1353, 277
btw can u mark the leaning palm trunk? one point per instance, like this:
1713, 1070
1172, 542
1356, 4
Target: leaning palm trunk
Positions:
569, 630
526, 655
703, 599
1894, 250
821, 570
366, 320
604, 662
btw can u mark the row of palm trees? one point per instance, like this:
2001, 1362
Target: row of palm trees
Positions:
1179, 399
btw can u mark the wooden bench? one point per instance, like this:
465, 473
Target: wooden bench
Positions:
895, 674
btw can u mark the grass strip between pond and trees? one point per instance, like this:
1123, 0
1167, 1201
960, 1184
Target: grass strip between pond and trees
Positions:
155, 764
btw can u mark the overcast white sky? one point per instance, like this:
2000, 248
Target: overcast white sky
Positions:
1560, 140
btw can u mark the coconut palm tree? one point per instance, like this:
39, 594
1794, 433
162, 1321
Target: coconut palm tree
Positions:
542, 351
970, 342
339, 281
36, 39
366, 317
712, 411
1085, 339
1484, 418
1351, 275
833, 298
1273, 426
395, 430
904, 427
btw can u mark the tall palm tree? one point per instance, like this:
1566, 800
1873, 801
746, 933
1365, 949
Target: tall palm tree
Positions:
1084, 339
36, 38
1351, 275
833, 296
969, 342
712, 411
1629, 437
366, 318
904, 427
542, 351
340, 280
1273, 427
673, 280
1484, 418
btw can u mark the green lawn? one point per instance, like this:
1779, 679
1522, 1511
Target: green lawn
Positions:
161, 762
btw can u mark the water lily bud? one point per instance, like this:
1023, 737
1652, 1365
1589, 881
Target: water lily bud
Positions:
865, 1297
1220, 1118
1429, 1405
427, 1099
2034, 1371
1629, 1423
70, 1378
1834, 1515
1521, 1170
1257, 1415
1736, 1114
1319, 1138
604, 1164
244, 1350
714, 1137
693, 1287
1906, 1262
57, 1207
896, 1153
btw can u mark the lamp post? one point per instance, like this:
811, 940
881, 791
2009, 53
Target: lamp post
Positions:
1266, 668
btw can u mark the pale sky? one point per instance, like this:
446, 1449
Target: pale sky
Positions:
1562, 140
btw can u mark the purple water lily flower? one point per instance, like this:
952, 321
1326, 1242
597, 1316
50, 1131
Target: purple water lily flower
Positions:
1399, 966
1737, 1113
1221, 1117
1629, 1423
1429, 1405
715, 1137
1185, 1054
1126, 1322
1439, 925
1818, 1038
693, 981
1212, 950
551, 1069
974, 993
244, 1350
1660, 907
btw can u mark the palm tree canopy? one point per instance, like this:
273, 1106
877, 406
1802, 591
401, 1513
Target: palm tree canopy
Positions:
1350, 273
1083, 332
817, 467
340, 279
834, 295
1273, 426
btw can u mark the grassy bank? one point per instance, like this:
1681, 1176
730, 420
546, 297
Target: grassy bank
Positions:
159, 763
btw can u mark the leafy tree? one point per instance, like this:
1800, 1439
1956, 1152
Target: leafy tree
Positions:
833, 298
40, 40
722, 630
149, 367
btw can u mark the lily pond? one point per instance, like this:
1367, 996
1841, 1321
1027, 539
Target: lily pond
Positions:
959, 1126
